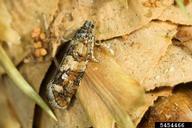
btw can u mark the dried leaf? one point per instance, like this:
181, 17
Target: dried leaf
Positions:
112, 18
176, 108
94, 106
140, 51
28, 14
70, 118
184, 33
176, 15
188, 44
150, 98
7, 33
7, 118
116, 89
173, 68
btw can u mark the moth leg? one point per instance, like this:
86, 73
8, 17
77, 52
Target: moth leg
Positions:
106, 47
91, 51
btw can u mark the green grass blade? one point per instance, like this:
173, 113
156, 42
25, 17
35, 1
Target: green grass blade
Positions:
181, 5
21, 83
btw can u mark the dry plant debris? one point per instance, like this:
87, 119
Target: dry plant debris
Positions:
116, 90
24, 20
8, 34
175, 61
184, 33
8, 118
112, 18
188, 44
176, 107
143, 51
175, 15
143, 48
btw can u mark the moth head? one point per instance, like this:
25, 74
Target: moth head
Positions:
88, 25
85, 32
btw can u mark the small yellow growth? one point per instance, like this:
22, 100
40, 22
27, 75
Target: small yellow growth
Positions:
40, 52
152, 3
36, 32
42, 36
37, 44
43, 52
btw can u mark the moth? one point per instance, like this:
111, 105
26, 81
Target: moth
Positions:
63, 86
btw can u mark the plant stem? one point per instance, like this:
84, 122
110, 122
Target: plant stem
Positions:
21, 83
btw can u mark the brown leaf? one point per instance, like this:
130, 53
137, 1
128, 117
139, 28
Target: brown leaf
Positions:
112, 18
150, 98
70, 118
176, 15
176, 108
173, 68
7, 118
141, 51
119, 93
184, 33
94, 106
